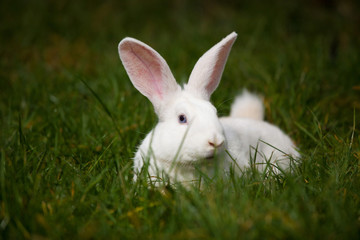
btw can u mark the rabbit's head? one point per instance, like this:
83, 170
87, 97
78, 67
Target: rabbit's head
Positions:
188, 128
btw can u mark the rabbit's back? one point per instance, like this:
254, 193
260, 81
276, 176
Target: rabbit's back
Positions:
249, 139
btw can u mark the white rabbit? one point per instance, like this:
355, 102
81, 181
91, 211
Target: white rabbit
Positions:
189, 132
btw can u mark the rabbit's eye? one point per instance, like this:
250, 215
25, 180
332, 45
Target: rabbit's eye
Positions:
182, 118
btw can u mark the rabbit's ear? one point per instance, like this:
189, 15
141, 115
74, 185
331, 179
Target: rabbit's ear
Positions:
148, 71
207, 72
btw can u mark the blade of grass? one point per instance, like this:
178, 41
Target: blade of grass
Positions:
106, 109
93, 183
303, 129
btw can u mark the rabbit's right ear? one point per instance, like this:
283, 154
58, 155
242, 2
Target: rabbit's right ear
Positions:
207, 71
148, 71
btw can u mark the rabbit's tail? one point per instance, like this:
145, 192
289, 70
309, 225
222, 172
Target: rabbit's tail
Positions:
248, 105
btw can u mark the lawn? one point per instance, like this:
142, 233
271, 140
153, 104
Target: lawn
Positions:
71, 120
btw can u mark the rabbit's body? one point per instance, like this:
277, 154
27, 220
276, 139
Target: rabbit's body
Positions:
246, 139
189, 134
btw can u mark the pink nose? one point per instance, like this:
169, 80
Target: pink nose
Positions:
216, 144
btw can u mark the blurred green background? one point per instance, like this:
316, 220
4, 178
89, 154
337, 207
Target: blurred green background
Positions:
42, 41
70, 118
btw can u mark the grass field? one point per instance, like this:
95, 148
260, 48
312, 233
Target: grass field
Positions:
71, 120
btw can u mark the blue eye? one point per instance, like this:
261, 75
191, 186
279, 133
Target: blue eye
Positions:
182, 118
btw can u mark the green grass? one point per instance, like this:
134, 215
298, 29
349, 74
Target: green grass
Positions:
71, 120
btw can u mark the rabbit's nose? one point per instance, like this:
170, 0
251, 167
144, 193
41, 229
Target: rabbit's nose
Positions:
216, 143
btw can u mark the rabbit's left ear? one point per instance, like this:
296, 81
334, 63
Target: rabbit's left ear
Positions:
206, 75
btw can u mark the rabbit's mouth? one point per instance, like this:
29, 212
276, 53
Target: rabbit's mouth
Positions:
210, 156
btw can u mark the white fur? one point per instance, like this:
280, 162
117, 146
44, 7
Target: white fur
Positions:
175, 150
247, 105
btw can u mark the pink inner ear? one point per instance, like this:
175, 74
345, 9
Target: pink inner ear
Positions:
207, 71
144, 70
217, 70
